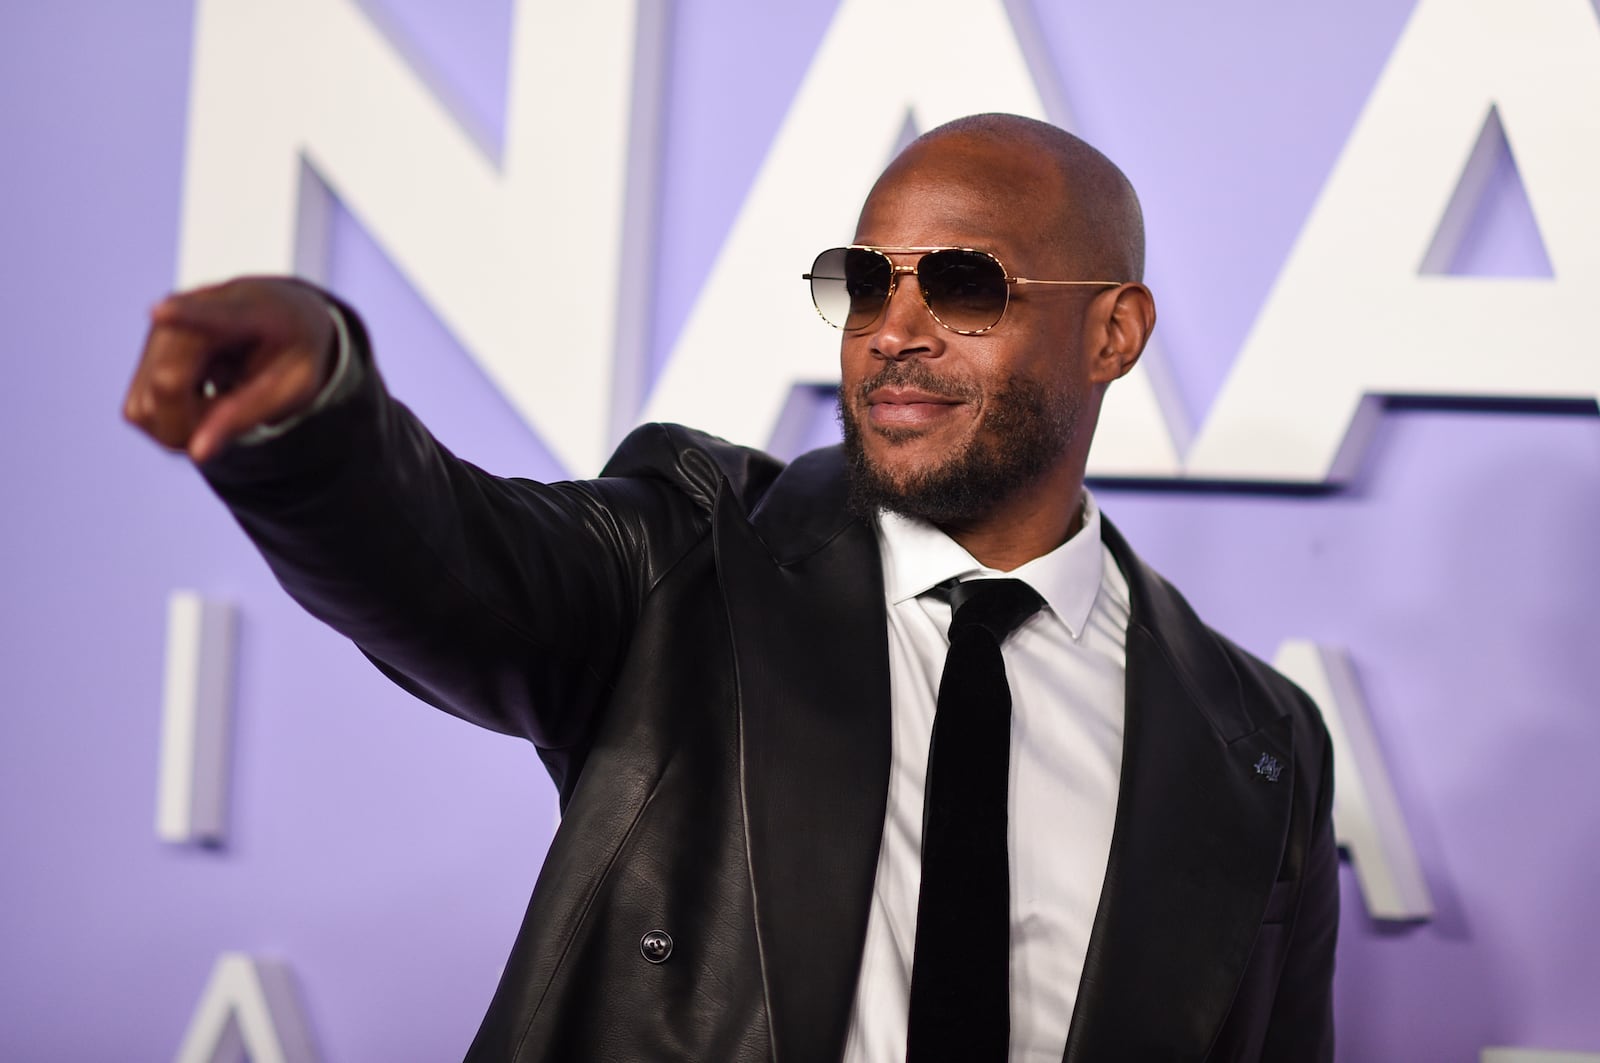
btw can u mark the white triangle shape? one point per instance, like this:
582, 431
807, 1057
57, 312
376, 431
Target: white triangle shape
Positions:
248, 1011
1474, 199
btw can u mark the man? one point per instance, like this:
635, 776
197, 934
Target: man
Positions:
735, 670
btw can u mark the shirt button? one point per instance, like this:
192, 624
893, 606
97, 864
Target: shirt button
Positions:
656, 946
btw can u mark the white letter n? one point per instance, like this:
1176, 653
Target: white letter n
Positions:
282, 85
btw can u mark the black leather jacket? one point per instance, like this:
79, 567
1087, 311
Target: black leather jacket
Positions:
696, 644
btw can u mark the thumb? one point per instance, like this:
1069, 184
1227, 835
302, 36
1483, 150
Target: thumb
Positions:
279, 390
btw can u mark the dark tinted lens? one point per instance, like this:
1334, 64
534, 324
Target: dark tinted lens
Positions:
850, 286
966, 290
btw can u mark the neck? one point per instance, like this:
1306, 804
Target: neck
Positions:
1027, 525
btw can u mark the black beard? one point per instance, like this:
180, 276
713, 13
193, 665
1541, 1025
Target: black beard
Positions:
1024, 435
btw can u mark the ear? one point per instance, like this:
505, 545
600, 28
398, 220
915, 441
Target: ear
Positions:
1119, 325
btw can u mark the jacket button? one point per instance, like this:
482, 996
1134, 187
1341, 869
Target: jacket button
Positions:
656, 946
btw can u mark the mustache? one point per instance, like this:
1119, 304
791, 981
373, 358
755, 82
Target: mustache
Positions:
916, 374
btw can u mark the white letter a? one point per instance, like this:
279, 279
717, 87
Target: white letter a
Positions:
1358, 310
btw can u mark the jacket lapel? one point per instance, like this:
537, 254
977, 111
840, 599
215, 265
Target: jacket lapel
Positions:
804, 590
1199, 833
1198, 839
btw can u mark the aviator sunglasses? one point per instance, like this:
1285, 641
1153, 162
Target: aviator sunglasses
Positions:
965, 290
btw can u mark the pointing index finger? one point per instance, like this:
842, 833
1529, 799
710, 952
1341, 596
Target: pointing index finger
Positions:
207, 310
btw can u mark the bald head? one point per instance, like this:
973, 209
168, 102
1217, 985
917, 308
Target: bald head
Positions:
1092, 218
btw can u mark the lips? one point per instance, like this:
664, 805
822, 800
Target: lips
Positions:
905, 407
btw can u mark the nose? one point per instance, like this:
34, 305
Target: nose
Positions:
906, 329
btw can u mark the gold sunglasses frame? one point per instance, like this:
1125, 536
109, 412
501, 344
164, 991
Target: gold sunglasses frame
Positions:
895, 269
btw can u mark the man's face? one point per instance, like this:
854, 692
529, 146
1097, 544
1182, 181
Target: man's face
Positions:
944, 426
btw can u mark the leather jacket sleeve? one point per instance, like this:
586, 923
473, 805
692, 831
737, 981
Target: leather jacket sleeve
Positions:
504, 601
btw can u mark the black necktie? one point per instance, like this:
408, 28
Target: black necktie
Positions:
961, 971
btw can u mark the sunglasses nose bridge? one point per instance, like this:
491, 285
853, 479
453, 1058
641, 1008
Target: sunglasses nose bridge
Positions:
896, 271
906, 327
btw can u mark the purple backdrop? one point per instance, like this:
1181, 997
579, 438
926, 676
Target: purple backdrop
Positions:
387, 851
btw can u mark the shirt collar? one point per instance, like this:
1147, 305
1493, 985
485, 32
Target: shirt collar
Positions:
918, 556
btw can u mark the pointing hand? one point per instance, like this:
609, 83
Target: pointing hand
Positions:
222, 360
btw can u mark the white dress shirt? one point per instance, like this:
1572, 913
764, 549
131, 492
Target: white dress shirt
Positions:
1066, 667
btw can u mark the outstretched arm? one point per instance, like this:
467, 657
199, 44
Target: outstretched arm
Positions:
506, 602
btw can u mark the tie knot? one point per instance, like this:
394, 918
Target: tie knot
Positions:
997, 606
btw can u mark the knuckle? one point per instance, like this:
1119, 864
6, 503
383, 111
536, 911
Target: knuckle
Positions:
140, 411
169, 378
